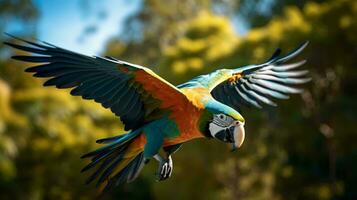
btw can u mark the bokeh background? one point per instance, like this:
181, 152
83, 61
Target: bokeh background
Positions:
304, 149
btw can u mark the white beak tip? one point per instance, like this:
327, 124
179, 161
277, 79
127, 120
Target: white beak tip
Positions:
239, 135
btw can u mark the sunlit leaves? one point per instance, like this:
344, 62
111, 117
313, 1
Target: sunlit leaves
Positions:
205, 38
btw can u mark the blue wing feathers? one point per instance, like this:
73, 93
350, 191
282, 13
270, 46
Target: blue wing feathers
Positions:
132, 106
258, 83
110, 156
109, 139
293, 53
91, 77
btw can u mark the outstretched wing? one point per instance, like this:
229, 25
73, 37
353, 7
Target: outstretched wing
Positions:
255, 84
134, 93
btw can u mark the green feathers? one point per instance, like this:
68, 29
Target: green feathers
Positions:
203, 122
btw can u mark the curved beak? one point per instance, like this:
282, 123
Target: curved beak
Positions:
238, 135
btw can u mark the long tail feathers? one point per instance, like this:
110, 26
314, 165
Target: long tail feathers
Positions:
118, 162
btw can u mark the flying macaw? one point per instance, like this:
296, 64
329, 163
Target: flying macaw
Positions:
156, 113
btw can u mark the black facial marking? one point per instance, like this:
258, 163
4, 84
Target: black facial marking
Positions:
230, 136
221, 135
226, 135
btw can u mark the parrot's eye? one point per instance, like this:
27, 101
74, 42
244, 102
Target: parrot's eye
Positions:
222, 120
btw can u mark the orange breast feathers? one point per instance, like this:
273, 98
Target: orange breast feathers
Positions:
185, 105
189, 115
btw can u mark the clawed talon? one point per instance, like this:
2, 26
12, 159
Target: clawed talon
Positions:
165, 167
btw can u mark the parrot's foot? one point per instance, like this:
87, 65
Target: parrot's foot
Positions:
165, 167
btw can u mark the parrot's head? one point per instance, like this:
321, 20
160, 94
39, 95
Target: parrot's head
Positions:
227, 129
225, 124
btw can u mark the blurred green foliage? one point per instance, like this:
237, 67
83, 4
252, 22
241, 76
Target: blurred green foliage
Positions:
304, 149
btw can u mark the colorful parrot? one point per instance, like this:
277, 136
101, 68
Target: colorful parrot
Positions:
156, 113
